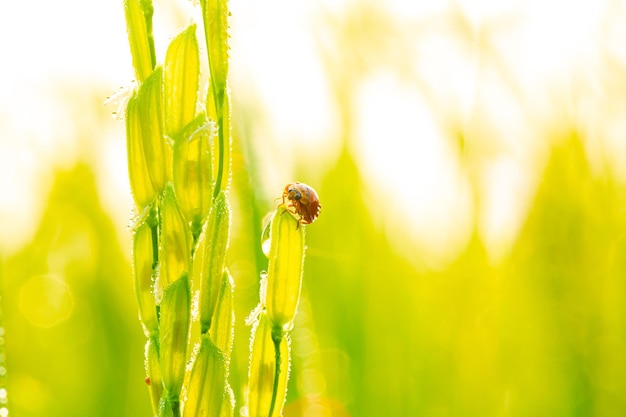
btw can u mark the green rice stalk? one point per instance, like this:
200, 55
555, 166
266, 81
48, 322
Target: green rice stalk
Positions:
179, 186
222, 146
280, 295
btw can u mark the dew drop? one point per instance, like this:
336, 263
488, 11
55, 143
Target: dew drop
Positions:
265, 236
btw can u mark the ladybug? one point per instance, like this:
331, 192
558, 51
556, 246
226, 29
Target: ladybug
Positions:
303, 201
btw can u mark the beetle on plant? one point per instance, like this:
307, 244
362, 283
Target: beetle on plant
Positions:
302, 199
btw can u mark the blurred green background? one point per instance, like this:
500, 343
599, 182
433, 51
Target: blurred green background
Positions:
470, 256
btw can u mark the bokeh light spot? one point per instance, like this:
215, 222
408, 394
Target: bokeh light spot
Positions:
46, 301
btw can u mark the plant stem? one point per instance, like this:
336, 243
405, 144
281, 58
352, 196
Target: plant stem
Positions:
148, 11
277, 338
220, 138
153, 222
176, 407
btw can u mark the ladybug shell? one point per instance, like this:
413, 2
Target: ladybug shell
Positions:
303, 201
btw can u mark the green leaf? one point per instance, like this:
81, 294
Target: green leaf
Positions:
216, 242
143, 277
139, 37
285, 266
173, 336
175, 245
181, 71
207, 383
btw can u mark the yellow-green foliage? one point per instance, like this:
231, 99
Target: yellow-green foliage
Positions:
539, 332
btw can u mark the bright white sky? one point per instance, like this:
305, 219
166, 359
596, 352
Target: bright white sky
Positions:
52, 57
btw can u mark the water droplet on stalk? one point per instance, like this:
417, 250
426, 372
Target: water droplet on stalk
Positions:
265, 236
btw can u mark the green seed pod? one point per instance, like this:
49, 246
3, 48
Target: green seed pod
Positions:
224, 320
193, 180
207, 382
180, 81
216, 242
153, 371
263, 371
138, 37
174, 333
147, 151
284, 272
215, 15
140, 183
144, 280
175, 247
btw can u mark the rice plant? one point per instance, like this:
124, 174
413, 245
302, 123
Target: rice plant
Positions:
179, 169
